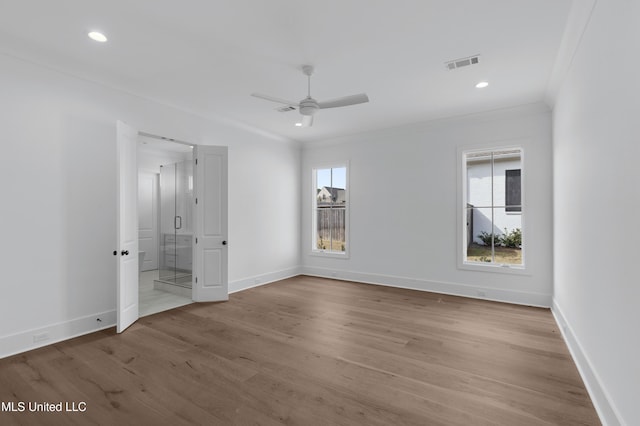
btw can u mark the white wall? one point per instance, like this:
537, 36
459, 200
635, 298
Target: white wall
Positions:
59, 191
596, 148
412, 240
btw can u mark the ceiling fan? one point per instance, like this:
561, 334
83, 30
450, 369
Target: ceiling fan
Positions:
309, 106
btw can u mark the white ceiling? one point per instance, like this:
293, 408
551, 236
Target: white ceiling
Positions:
209, 56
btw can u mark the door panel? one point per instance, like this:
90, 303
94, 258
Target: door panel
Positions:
210, 248
148, 219
212, 271
127, 227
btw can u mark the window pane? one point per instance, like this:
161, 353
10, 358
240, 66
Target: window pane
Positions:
338, 240
339, 198
481, 235
323, 187
503, 161
330, 229
339, 183
323, 230
479, 180
510, 249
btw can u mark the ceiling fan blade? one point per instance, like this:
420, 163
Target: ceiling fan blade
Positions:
307, 120
273, 99
345, 101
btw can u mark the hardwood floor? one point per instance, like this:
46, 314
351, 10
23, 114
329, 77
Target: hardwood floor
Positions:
311, 351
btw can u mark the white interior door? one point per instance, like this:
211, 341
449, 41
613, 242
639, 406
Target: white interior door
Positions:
148, 219
210, 281
127, 227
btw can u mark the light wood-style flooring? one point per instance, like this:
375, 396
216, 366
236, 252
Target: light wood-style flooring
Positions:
312, 351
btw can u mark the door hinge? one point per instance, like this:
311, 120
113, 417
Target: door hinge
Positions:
196, 280
196, 201
196, 161
196, 241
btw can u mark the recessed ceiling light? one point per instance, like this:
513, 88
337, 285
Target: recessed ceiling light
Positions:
298, 124
99, 37
482, 85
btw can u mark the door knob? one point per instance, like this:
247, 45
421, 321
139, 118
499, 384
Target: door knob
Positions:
224, 243
125, 252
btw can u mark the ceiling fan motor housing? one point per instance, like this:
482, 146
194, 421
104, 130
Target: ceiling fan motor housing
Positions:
308, 106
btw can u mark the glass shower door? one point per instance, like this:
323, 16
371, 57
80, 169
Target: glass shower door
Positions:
176, 196
182, 223
167, 267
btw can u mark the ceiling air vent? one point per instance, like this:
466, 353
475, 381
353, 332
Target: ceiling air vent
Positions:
462, 62
286, 108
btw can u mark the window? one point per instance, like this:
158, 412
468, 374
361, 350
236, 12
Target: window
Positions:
492, 208
330, 217
512, 190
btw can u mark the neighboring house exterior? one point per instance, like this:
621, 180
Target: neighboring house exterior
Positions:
326, 194
506, 192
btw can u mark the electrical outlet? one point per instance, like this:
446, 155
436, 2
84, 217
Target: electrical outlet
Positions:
40, 337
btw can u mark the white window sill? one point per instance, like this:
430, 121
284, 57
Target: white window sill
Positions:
493, 268
332, 254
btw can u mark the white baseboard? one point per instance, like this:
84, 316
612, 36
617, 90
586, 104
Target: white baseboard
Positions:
599, 396
258, 280
26, 340
456, 289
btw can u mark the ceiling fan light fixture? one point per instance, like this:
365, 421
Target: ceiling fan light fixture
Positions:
482, 85
97, 36
308, 107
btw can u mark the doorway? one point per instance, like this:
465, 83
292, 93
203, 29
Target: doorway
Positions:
209, 253
165, 224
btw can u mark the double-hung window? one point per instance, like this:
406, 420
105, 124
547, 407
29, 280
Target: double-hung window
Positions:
492, 207
330, 210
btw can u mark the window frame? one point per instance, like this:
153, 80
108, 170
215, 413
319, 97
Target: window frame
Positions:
461, 202
324, 252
